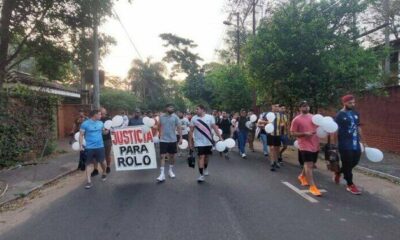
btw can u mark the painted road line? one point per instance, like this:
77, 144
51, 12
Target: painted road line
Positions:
301, 193
308, 191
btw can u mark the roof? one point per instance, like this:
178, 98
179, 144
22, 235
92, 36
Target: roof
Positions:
40, 84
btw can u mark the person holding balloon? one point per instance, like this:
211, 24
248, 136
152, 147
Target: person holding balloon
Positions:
243, 132
348, 138
92, 131
305, 131
168, 124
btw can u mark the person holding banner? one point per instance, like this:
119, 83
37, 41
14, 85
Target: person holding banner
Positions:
92, 131
200, 137
137, 119
168, 124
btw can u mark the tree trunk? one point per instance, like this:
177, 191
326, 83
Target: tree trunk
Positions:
6, 12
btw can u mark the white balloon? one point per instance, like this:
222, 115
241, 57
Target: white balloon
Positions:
117, 121
145, 129
321, 133
269, 128
330, 126
374, 154
318, 119
271, 116
150, 122
75, 146
215, 138
146, 121
233, 121
108, 124
156, 139
76, 136
220, 146
248, 124
230, 143
296, 144
253, 118
184, 144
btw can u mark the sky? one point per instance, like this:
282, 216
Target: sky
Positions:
145, 20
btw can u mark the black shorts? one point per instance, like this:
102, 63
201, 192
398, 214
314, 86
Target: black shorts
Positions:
168, 147
186, 137
307, 156
95, 153
207, 150
274, 140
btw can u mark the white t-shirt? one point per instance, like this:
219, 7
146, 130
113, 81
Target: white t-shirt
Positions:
199, 139
184, 126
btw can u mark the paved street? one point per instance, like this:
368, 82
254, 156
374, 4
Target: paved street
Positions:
241, 199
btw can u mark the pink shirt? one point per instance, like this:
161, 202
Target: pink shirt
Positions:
301, 124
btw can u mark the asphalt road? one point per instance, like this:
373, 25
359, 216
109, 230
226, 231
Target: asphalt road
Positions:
241, 199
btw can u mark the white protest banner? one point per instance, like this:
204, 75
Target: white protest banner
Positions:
133, 149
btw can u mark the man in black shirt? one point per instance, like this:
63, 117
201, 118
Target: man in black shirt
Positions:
243, 132
106, 140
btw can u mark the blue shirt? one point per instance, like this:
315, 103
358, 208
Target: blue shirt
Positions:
93, 133
348, 134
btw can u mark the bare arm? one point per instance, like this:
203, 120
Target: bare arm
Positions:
81, 135
216, 130
191, 143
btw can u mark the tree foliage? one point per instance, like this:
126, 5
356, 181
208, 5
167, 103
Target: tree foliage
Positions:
229, 87
305, 53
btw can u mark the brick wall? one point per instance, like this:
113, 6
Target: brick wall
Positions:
380, 118
66, 115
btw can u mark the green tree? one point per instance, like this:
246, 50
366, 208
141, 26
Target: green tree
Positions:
185, 61
27, 27
148, 82
229, 88
118, 100
307, 51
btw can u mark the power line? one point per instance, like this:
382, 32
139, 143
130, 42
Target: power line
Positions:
127, 34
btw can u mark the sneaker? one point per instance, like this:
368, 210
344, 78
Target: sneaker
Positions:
280, 160
201, 179
243, 155
353, 189
88, 185
108, 170
315, 191
161, 178
303, 180
265, 154
273, 169
206, 173
171, 173
94, 173
103, 177
336, 178
277, 165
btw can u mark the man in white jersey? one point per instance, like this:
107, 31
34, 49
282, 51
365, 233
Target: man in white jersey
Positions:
200, 137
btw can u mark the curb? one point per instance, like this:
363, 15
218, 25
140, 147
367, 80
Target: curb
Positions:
39, 186
375, 173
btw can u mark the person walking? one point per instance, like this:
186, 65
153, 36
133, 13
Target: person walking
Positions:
348, 139
306, 132
243, 132
169, 123
92, 131
200, 137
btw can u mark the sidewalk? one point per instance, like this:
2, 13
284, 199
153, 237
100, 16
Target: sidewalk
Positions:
389, 168
25, 179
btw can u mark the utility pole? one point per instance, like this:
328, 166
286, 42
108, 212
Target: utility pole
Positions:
96, 84
238, 38
387, 37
